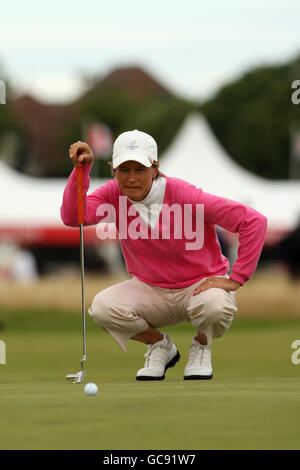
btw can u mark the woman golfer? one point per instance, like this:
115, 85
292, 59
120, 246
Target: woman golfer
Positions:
167, 231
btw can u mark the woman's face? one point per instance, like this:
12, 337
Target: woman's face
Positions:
135, 179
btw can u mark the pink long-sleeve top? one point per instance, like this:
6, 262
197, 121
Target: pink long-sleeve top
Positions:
167, 262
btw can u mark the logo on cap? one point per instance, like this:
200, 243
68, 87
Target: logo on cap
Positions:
132, 145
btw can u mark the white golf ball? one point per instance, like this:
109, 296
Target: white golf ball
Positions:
91, 389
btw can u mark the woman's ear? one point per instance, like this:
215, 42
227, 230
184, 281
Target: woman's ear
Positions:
155, 172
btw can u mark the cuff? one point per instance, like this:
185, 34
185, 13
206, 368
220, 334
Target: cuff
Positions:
238, 278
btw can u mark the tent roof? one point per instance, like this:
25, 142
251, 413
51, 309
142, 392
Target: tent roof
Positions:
196, 156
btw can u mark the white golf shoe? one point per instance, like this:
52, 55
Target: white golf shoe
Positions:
160, 356
199, 365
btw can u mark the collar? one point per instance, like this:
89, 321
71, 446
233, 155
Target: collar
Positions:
156, 193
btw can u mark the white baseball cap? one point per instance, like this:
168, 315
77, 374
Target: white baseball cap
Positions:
134, 145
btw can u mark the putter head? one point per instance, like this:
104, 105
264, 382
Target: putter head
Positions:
76, 378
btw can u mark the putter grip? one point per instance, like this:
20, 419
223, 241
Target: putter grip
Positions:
79, 194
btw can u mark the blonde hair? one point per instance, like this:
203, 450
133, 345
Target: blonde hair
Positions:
154, 165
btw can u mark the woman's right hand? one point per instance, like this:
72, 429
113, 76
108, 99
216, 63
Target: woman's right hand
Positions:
80, 152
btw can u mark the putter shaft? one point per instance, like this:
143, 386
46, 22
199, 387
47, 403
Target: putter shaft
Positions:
79, 377
82, 294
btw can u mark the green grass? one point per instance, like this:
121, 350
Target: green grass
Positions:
253, 402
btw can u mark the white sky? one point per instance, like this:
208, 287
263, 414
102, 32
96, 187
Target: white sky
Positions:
191, 46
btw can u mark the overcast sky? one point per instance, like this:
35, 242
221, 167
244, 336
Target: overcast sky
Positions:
192, 46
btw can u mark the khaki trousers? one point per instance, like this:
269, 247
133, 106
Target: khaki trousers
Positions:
128, 308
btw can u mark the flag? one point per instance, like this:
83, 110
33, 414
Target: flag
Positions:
99, 138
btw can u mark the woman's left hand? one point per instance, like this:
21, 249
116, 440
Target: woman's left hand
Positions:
220, 282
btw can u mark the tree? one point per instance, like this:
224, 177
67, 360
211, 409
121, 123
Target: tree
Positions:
13, 147
252, 117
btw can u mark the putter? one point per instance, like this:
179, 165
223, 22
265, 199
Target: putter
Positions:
80, 376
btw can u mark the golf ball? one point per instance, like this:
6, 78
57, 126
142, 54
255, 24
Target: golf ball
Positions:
91, 389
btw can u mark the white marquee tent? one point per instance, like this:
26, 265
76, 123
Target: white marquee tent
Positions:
196, 156
27, 200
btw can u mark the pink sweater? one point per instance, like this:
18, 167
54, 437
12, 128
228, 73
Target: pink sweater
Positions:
167, 262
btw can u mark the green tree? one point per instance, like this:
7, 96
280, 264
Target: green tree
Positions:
13, 141
252, 117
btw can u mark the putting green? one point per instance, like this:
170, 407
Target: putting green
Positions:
253, 402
